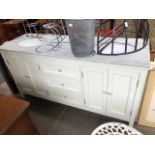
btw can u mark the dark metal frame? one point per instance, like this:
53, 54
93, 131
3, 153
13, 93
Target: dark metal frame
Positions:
141, 31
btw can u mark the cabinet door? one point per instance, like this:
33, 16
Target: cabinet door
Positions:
20, 71
95, 84
121, 92
40, 82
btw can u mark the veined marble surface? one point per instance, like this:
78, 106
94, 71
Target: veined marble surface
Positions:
138, 59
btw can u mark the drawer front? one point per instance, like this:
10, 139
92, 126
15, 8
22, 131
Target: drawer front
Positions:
72, 85
65, 96
65, 71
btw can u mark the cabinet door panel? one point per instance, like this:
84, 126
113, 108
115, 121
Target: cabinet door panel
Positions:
21, 73
121, 93
95, 82
40, 82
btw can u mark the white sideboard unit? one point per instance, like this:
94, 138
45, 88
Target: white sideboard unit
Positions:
108, 86
110, 90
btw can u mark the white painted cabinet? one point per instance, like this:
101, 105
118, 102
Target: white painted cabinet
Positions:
95, 86
20, 70
110, 90
65, 96
40, 84
122, 86
60, 80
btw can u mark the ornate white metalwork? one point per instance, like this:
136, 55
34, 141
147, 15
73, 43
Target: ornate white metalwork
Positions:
115, 128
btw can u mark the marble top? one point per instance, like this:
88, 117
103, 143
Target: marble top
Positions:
138, 59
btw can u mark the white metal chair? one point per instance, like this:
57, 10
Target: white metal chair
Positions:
115, 128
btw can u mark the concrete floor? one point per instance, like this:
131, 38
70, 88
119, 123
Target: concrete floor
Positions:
56, 119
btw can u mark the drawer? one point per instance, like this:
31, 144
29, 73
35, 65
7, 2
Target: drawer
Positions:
65, 96
63, 70
72, 85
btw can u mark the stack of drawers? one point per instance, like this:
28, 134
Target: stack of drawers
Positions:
64, 84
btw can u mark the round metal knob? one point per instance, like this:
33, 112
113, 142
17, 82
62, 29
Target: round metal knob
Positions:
62, 85
59, 70
109, 93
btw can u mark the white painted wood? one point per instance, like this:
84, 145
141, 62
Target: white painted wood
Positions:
65, 96
106, 89
60, 69
121, 93
138, 97
65, 83
40, 84
21, 73
95, 86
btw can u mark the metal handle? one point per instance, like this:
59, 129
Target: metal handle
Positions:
59, 70
107, 93
39, 67
62, 85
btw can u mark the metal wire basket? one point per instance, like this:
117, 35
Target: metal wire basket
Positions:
123, 37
